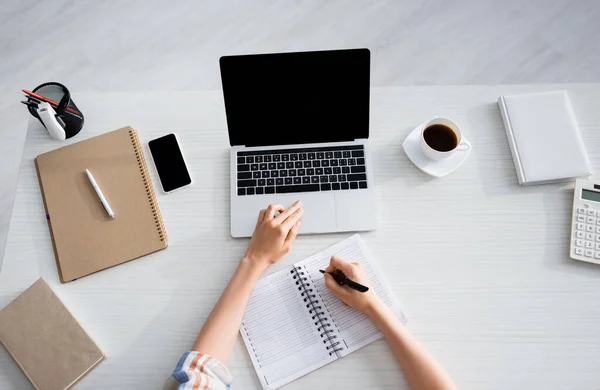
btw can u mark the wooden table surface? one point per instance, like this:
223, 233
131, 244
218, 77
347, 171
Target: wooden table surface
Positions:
480, 264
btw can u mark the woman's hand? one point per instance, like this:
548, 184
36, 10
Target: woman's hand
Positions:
364, 302
274, 234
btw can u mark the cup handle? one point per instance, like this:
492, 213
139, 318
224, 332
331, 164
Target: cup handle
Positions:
463, 146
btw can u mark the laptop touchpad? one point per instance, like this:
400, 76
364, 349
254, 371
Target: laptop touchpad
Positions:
319, 210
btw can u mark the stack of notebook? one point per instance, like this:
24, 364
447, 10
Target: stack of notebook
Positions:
36, 329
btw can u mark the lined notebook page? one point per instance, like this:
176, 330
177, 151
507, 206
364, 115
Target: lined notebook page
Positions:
354, 329
279, 333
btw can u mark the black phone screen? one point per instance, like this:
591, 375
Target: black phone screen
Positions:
172, 171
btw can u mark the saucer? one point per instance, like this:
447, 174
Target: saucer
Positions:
435, 168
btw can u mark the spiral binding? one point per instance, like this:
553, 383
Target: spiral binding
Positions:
314, 305
139, 154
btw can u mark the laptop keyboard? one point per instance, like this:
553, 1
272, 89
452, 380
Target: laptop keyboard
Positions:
284, 171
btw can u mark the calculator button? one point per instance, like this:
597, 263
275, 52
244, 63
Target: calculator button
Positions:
579, 242
598, 246
588, 253
591, 220
598, 237
580, 235
590, 228
591, 212
589, 245
597, 221
580, 218
581, 226
590, 236
597, 255
579, 251
580, 210
598, 230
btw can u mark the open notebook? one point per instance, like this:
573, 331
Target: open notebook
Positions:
293, 324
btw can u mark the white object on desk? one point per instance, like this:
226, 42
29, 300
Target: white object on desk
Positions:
436, 168
435, 154
585, 227
544, 137
99, 193
48, 117
481, 265
308, 326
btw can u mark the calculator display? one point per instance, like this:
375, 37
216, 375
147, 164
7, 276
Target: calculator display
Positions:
590, 195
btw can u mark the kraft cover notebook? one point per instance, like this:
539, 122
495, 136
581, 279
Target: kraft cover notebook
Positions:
294, 325
85, 238
45, 340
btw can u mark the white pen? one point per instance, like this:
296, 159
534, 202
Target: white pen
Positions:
100, 194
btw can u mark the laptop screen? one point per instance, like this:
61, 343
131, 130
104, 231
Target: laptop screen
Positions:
296, 98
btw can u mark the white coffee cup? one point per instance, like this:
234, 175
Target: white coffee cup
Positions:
437, 154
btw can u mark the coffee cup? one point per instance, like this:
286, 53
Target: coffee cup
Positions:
440, 138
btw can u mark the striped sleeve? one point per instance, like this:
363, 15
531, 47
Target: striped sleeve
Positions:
198, 371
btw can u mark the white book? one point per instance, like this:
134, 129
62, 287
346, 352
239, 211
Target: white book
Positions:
544, 138
294, 325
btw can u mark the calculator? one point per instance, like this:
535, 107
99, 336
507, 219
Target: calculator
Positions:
585, 229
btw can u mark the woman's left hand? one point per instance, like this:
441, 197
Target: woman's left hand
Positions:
274, 234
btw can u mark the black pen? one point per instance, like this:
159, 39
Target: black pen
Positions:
342, 279
30, 104
32, 100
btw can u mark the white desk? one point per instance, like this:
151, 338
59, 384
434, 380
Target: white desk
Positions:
479, 263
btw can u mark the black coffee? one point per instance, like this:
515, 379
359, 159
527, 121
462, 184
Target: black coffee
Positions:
441, 138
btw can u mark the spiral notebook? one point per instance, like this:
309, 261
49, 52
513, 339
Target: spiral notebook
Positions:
294, 325
85, 238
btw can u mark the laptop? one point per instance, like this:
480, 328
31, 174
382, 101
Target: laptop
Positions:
298, 127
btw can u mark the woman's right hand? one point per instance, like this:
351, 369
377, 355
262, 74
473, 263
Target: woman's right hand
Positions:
364, 302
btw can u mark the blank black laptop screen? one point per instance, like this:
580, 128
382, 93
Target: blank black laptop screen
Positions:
296, 98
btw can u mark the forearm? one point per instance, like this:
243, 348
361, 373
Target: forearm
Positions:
219, 333
420, 368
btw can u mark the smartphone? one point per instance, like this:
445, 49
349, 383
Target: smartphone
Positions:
169, 163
